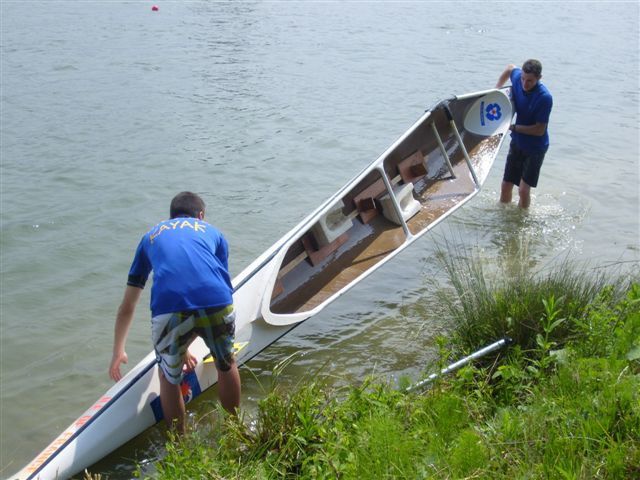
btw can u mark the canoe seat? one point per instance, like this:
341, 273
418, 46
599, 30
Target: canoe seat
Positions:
331, 225
317, 253
413, 168
408, 205
365, 201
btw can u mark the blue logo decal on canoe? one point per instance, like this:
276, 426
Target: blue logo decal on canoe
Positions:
190, 388
493, 112
482, 113
157, 409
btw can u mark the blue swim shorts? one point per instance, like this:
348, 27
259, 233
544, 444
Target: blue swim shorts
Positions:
523, 165
173, 332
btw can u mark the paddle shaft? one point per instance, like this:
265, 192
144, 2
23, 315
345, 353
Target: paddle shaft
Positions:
499, 345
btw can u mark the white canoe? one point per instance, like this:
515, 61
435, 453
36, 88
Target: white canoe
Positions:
433, 169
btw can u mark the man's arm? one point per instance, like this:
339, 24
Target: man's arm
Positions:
504, 76
123, 323
536, 130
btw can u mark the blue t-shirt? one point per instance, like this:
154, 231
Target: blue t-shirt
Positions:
531, 108
189, 259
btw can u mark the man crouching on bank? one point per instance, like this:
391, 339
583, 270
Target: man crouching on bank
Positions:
191, 296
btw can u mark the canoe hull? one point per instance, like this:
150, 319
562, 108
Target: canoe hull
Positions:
433, 169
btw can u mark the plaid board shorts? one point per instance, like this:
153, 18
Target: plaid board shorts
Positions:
173, 332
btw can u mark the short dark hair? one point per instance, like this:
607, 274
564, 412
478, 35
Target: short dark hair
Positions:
532, 66
186, 204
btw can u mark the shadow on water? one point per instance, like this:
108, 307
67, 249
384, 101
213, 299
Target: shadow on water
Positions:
141, 452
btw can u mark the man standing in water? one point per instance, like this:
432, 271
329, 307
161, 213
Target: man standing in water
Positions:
529, 136
191, 296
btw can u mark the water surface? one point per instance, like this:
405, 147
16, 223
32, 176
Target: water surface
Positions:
108, 109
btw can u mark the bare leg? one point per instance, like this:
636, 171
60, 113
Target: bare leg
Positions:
172, 404
524, 191
229, 388
506, 192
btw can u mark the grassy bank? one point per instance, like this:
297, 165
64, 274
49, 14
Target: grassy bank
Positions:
563, 402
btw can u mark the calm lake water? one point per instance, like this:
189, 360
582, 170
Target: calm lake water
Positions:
108, 109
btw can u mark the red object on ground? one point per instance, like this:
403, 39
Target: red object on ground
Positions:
155, 8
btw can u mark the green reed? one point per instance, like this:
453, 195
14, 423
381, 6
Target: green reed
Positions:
521, 303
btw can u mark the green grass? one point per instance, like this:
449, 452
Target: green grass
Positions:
522, 302
563, 402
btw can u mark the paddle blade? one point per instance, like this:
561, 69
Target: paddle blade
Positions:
489, 115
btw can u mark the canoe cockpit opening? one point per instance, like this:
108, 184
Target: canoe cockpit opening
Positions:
425, 175
357, 231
